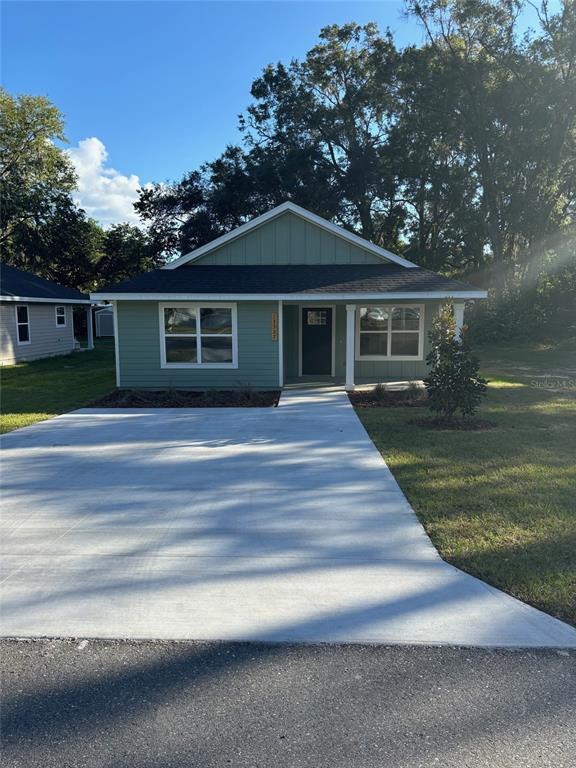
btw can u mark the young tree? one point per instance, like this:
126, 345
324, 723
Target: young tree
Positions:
454, 384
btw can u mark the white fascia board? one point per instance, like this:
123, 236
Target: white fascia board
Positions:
35, 300
314, 297
303, 214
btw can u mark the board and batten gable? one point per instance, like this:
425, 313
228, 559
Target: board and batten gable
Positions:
139, 351
287, 239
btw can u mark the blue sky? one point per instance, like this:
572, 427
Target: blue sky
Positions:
158, 86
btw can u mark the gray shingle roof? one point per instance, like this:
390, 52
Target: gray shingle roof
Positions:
297, 279
15, 282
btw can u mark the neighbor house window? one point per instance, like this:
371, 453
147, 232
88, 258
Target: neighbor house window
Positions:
197, 335
23, 324
393, 332
61, 316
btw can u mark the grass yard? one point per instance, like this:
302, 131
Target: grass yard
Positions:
500, 504
542, 357
41, 389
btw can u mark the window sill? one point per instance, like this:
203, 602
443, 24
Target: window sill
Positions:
200, 366
391, 359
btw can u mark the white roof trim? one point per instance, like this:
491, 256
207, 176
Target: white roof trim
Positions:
314, 297
36, 300
382, 253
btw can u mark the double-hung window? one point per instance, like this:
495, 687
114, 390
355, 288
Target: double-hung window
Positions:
61, 316
23, 324
386, 332
198, 335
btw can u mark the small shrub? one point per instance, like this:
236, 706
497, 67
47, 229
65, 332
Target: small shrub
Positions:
413, 392
380, 392
454, 384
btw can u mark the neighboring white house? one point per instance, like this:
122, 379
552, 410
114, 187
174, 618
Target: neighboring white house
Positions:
36, 317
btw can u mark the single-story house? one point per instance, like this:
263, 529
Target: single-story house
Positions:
288, 297
36, 317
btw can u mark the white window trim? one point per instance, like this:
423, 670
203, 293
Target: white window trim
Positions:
23, 343
414, 358
198, 306
65, 323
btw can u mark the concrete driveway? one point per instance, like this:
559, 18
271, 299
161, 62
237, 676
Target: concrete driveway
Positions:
232, 524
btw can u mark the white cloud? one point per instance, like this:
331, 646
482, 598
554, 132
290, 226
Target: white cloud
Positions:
105, 194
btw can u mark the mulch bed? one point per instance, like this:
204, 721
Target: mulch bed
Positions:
390, 399
455, 424
182, 398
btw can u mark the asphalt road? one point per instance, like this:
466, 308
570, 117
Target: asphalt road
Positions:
166, 705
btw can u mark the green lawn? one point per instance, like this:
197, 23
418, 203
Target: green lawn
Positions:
530, 358
500, 504
41, 389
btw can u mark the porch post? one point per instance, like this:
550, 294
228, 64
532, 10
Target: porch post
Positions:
89, 329
459, 317
350, 333
281, 344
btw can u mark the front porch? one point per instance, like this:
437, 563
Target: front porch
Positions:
336, 343
305, 382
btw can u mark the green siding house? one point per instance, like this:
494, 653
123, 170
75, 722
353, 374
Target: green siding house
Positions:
288, 297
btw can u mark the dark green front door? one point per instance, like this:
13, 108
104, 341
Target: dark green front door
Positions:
316, 341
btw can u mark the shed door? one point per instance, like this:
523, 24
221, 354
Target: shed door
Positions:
316, 341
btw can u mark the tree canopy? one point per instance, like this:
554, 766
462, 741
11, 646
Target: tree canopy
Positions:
42, 230
459, 153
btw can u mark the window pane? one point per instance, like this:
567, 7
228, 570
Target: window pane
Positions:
22, 314
23, 333
405, 319
373, 319
60, 311
215, 320
404, 344
181, 350
179, 320
316, 317
216, 349
373, 344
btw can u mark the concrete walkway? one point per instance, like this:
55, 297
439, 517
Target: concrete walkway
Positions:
232, 524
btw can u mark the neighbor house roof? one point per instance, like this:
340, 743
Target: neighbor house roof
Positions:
328, 226
16, 285
290, 282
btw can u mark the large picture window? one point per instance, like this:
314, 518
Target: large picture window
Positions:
198, 335
23, 324
389, 332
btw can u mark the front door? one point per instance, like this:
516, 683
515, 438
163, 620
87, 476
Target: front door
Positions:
316, 341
